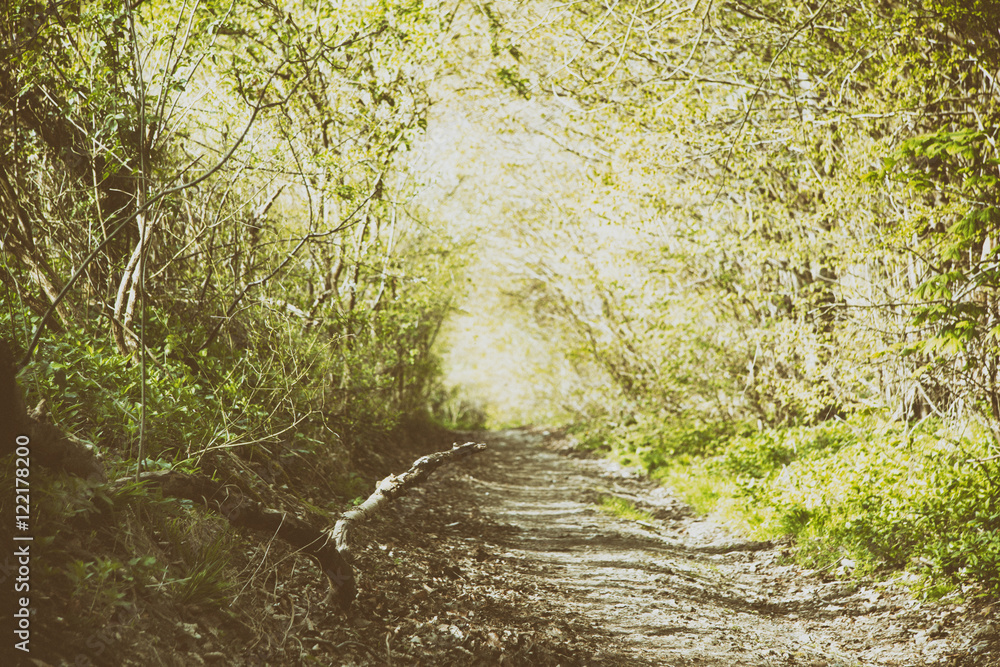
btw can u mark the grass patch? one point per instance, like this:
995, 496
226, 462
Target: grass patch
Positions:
622, 508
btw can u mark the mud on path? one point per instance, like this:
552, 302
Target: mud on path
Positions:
505, 559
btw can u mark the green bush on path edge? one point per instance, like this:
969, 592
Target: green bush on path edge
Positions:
859, 496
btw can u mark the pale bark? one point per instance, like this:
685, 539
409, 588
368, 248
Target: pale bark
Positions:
393, 487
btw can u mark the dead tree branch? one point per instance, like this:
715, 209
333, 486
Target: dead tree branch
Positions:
328, 547
243, 511
393, 487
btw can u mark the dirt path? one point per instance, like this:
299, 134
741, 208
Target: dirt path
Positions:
505, 559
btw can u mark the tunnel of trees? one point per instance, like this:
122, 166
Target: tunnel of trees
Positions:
750, 247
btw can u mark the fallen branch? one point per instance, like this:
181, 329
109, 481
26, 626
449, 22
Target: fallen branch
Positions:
393, 487
244, 512
328, 547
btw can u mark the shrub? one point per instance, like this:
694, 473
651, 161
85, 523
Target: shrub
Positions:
885, 496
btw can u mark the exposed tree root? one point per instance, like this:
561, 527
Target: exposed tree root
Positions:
244, 512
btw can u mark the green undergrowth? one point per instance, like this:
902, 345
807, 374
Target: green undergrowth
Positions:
622, 508
860, 495
268, 421
451, 410
110, 550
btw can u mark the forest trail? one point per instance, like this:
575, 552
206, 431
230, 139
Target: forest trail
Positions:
524, 564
